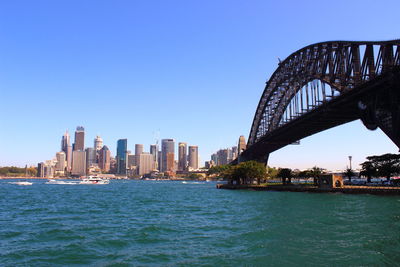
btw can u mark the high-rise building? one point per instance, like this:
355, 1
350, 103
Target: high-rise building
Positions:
104, 159
40, 170
90, 157
79, 138
61, 161
66, 147
159, 160
182, 156
138, 149
122, 148
193, 157
154, 152
98, 143
167, 148
132, 161
222, 157
78, 162
146, 163
241, 144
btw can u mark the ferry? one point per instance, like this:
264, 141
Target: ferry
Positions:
94, 180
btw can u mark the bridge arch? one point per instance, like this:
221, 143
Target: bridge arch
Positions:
341, 67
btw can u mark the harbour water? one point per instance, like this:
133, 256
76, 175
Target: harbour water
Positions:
170, 223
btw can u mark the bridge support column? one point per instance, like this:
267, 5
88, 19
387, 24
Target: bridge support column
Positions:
382, 110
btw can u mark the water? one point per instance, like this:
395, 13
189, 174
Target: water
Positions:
164, 223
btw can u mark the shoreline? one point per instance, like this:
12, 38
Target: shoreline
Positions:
377, 190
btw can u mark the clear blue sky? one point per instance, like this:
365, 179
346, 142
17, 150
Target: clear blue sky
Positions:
194, 70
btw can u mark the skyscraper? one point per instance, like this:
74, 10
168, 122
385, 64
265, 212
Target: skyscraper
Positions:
90, 157
79, 138
67, 149
138, 149
193, 157
78, 162
242, 144
167, 148
98, 143
182, 156
61, 160
104, 159
154, 152
122, 148
146, 163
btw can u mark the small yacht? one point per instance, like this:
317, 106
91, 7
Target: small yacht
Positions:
53, 181
94, 180
21, 183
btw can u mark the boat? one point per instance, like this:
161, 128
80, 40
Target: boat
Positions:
94, 180
21, 183
52, 181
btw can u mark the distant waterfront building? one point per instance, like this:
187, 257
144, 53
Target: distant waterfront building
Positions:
122, 148
104, 159
98, 143
146, 163
61, 161
78, 162
131, 161
193, 157
40, 170
168, 154
170, 162
159, 160
138, 149
241, 144
222, 157
182, 156
154, 152
66, 147
90, 157
234, 152
79, 138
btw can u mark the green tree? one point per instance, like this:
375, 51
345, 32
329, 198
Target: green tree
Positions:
315, 172
349, 173
386, 165
249, 171
285, 173
368, 170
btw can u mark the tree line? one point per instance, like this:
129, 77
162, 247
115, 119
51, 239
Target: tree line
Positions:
16, 171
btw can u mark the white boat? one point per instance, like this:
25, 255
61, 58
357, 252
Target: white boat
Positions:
21, 183
52, 181
94, 180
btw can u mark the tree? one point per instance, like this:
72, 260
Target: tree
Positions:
249, 171
386, 165
285, 173
349, 173
368, 170
315, 172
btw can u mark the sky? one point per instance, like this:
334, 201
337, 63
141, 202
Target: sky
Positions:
189, 70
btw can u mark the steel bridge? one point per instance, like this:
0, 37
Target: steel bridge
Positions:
324, 85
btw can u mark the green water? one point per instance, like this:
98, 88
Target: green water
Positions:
150, 223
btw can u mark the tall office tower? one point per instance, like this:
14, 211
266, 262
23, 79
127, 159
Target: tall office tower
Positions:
98, 143
67, 148
40, 170
146, 163
242, 144
234, 152
182, 156
230, 154
194, 157
222, 157
104, 159
167, 147
170, 162
138, 149
78, 162
154, 152
61, 161
79, 138
122, 148
132, 161
159, 160
214, 158
90, 157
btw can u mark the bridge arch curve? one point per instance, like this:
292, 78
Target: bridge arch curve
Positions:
343, 66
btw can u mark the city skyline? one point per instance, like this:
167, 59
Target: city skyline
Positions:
196, 73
